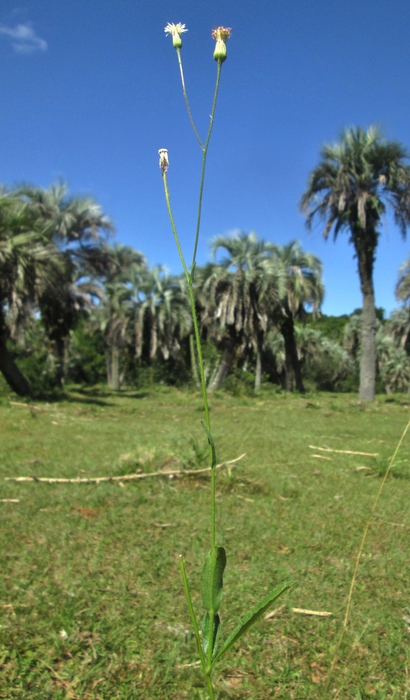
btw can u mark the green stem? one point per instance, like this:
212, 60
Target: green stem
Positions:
196, 629
181, 70
189, 280
194, 366
205, 153
192, 612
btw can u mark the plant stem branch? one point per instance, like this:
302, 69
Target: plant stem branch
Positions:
181, 70
196, 629
189, 280
205, 153
192, 611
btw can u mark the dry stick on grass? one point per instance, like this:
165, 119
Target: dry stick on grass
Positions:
366, 530
126, 477
26, 405
297, 611
345, 452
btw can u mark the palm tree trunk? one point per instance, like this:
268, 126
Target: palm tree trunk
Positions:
293, 370
60, 354
258, 368
368, 352
153, 339
108, 365
225, 366
14, 378
115, 368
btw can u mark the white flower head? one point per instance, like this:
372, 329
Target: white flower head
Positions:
163, 159
175, 30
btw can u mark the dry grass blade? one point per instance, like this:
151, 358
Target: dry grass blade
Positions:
315, 613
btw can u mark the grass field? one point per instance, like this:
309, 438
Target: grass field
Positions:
91, 601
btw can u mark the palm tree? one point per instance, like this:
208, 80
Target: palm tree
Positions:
326, 361
26, 256
353, 334
350, 189
238, 293
75, 227
398, 327
393, 363
303, 287
116, 314
164, 312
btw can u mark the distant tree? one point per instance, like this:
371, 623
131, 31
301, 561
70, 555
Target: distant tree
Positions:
350, 189
163, 312
323, 359
238, 293
26, 257
398, 327
352, 335
331, 326
115, 315
302, 273
393, 364
75, 226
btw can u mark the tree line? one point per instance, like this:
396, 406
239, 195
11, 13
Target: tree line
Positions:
65, 291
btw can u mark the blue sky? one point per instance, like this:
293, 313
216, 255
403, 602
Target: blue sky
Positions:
91, 91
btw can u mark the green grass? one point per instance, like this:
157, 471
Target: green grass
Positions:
91, 600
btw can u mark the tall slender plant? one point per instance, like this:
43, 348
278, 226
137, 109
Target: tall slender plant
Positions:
209, 648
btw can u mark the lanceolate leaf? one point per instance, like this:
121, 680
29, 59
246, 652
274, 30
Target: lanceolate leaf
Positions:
212, 579
250, 619
205, 633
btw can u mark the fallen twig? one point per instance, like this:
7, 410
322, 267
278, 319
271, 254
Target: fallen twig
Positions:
126, 477
297, 611
345, 452
9, 500
25, 405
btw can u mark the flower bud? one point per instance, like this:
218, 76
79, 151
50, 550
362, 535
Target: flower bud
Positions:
163, 159
175, 30
221, 34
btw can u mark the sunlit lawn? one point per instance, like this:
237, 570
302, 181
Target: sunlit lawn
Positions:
91, 601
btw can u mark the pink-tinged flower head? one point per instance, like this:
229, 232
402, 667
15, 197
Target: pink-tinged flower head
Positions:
175, 30
221, 34
163, 159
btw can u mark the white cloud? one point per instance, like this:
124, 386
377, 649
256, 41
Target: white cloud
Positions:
24, 38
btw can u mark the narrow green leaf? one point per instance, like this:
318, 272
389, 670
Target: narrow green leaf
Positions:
205, 633
211, 442
212, 579
250, 619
